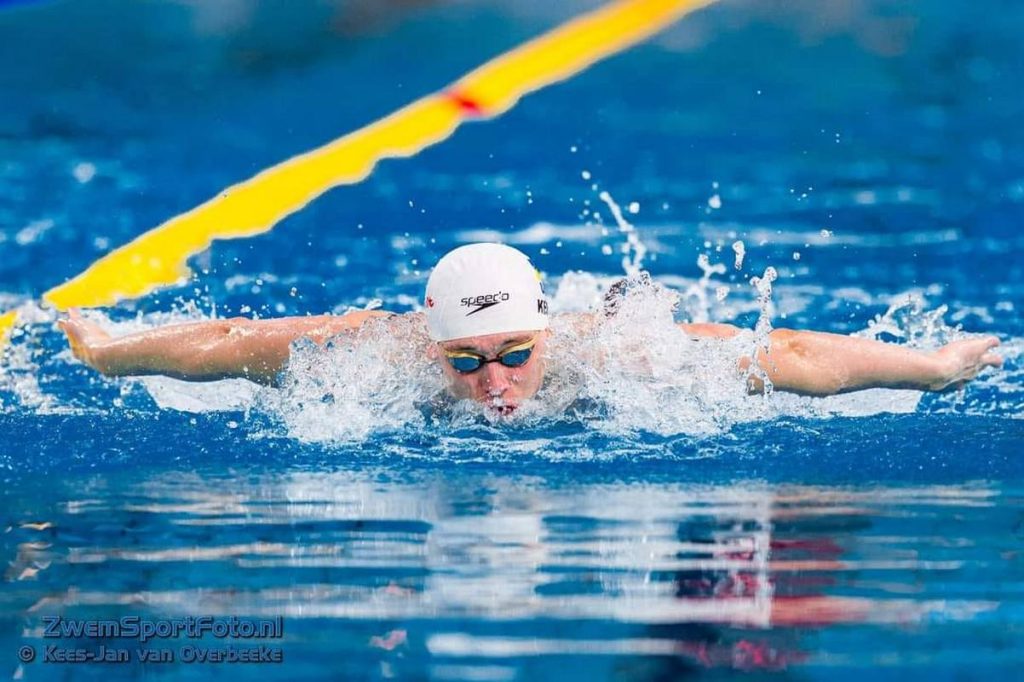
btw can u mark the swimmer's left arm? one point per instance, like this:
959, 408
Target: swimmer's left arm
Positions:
820, 364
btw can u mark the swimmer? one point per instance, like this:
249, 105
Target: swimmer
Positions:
487, 316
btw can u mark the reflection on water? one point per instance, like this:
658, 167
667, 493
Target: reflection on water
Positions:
501, 577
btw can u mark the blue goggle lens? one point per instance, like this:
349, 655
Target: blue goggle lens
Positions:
465, 363
516, 358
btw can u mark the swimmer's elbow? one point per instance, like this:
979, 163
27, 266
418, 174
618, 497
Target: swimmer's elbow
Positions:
800, 362
224, 349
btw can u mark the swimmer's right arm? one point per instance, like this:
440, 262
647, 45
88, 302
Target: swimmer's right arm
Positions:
204, 351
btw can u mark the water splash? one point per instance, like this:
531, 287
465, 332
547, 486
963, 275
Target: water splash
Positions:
631, 264
909, 320
377, 378
697, 305
20, 369
995, 392
627, 369
763, 328
635, 370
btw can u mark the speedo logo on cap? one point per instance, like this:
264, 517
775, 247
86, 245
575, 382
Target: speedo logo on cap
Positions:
482, 302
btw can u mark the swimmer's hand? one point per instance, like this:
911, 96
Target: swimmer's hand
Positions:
87, 340
958, 362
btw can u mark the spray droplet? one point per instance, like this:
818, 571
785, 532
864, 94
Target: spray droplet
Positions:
84, 172
715, 201
634, 207
632, 244
585, 175
740, 250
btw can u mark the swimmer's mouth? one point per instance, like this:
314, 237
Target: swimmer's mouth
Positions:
502, 408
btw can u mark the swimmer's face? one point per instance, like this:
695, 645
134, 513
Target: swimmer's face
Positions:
494, 384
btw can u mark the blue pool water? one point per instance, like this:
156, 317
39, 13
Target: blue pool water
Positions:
869, 151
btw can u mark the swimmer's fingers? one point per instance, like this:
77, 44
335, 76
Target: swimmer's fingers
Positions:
85, 337
75, 339
963, 360
992, 360
978, 355
87, 330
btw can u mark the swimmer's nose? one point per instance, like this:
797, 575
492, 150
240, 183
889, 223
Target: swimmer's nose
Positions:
496, 379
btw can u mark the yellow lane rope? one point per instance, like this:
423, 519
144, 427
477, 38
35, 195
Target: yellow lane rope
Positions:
7, 321
158, 258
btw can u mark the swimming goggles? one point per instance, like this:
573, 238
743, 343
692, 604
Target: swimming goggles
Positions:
466, 362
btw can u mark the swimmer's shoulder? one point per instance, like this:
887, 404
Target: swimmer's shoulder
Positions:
407, 320
576, 322
357, 317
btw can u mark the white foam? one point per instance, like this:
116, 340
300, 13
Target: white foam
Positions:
370, 380
229, 395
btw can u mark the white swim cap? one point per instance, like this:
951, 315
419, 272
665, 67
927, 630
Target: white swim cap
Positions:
481, 289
